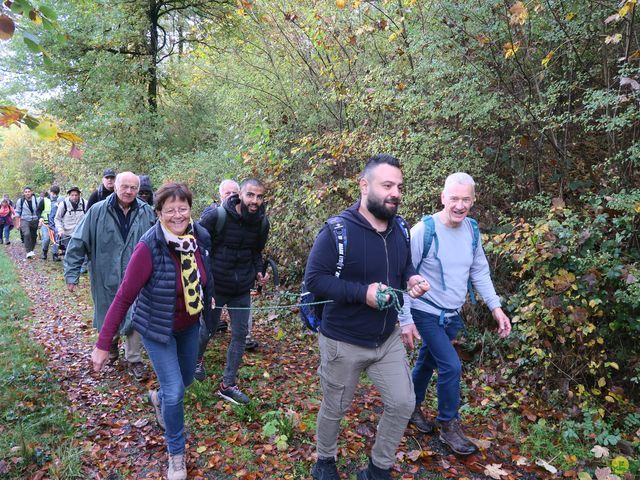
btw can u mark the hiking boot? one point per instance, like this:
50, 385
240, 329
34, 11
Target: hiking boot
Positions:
374, 473
30, 254
138, 370
157, 408
251, 344
177, 467
325, 469
114, 352
43, 256
200, 373
7, 242
55, 257
452, 436
232, 394
417, 420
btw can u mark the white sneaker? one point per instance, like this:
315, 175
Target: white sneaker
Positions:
177, 467
31, 254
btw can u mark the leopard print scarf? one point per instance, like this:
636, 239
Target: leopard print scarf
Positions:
186, 245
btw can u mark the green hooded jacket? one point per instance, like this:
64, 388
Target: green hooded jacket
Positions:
98, 236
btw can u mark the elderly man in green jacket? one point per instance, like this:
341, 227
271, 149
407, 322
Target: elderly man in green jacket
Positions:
108, 234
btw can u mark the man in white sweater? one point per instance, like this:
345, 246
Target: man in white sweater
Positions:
454, 260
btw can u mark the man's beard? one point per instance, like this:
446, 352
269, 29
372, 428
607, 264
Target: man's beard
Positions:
380, 209
247, 215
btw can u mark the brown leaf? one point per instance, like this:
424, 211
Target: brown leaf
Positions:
7, 27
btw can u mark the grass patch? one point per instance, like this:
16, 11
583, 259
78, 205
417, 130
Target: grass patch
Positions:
36, 429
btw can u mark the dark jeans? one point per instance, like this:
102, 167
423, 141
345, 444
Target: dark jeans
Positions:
29, 231
174, 364
6, 228
437, 353
239, 330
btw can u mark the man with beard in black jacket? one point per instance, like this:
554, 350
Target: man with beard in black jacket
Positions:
357, 334
239, 229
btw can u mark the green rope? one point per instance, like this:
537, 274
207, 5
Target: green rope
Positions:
381, 301
277, 307
381, 298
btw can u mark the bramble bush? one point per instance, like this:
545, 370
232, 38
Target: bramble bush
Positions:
575, 296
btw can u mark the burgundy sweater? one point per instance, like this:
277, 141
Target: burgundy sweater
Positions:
135, 277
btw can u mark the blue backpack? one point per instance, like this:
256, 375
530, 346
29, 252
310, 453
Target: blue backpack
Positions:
311, 315
430, 237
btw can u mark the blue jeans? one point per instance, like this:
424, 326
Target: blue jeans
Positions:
174, 363
438, 353
239, 330
46, 241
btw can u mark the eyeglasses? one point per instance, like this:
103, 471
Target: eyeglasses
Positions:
180, 211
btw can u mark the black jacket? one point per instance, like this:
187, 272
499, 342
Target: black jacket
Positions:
98, 195
236, 255
370, 257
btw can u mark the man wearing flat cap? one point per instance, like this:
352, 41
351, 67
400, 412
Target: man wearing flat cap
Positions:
70, 212
105, 189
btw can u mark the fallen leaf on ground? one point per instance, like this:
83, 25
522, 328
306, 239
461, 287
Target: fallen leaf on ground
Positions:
495, 470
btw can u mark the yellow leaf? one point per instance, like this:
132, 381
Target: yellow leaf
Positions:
612, 365
620, 465
241, 12
637, 207
71, 137
201, 449
394, 35
341, 3
569, 16
613, 39
519, 14
35, 17
510, 49
627, 7
548, 58
602, 382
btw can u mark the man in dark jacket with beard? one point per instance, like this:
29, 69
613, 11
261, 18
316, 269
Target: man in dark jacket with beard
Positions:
238, 239
356, 335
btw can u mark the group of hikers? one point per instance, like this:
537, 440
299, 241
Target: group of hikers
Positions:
161, 280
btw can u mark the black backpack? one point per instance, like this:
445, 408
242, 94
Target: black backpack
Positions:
311, 315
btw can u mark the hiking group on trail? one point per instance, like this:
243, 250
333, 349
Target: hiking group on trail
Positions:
161, 280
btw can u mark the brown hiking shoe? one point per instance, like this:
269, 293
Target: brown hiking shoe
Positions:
138, 370
451, 435
114, 352
417, 420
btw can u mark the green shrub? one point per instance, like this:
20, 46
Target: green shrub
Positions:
573, 277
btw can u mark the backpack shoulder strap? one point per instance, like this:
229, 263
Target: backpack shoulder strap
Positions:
475, 241
220, 221
404, 228
339, 229
475, 230
428, 238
